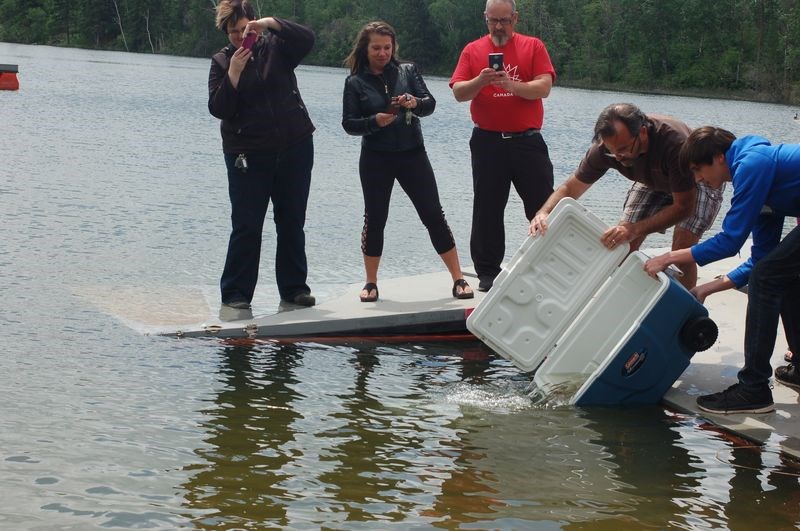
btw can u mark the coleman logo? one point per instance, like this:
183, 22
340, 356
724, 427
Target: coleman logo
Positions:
634, 362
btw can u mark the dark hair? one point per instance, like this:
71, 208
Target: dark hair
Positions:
233, 11
358, 56
627, 113
703, 144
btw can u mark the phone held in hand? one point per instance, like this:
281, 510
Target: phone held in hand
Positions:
394, 106
248, 41
496, 61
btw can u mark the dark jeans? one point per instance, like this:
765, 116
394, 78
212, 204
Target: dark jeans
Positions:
497, 163
412, 169
283, 177
773, 290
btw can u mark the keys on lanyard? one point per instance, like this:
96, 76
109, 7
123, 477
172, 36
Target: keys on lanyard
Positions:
241, 163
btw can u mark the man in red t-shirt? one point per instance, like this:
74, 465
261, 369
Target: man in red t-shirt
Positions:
506, 145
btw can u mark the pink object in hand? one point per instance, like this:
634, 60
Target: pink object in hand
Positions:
248, 41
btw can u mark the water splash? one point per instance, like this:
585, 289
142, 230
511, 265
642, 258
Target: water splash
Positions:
555, 395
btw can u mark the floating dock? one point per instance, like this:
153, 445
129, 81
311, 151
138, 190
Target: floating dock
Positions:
416, 306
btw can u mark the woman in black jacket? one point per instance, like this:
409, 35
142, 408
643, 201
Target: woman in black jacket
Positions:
383, 100
268, 148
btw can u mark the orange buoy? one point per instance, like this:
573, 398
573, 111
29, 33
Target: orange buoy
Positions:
8, 77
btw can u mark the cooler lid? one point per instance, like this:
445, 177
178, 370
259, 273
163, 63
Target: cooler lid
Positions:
545, 285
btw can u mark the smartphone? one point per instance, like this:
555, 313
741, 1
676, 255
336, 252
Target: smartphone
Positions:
394, 106
496, 61
248, 41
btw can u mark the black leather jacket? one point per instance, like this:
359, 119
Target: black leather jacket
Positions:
265, 111
366, 94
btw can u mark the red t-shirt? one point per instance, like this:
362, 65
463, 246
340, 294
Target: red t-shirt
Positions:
493, 108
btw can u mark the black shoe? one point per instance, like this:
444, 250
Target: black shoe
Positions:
235, 311
485, 283
303, 299
789, 376
737, 399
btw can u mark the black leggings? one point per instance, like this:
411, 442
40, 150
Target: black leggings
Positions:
412, 169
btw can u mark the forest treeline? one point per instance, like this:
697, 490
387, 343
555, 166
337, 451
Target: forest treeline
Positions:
727, 48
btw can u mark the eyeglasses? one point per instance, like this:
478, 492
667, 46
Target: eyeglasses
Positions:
502, 21
626, 153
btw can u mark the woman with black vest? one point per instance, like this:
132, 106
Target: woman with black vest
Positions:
383, 101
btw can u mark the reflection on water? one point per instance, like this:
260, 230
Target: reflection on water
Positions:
248, 429
112, 191
388, 437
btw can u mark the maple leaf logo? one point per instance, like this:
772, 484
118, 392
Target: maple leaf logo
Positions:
512, 72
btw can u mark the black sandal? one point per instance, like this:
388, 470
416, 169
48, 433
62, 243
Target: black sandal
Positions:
461, 283
369, 286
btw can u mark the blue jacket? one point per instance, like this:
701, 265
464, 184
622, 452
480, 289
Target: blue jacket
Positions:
766, 189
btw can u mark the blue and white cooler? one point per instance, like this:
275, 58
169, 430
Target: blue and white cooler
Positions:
597, 329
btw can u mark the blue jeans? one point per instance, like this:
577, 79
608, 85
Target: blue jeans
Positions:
285, 178
773, 290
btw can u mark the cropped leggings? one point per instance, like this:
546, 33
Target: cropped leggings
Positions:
412, 169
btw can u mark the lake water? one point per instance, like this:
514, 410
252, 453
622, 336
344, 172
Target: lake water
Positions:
112, 182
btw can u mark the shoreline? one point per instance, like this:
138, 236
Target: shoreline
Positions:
731, 95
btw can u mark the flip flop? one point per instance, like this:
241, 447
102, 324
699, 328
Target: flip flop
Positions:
369, 287
461, 283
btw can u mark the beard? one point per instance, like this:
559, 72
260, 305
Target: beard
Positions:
499, 37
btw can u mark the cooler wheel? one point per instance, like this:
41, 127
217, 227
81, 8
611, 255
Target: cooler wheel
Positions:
699, 334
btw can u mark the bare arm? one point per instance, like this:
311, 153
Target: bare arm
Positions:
661, 262
467, 90
683, 204
572, 187
720, 283
537, 88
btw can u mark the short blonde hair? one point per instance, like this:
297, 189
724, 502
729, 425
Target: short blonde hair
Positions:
233, 11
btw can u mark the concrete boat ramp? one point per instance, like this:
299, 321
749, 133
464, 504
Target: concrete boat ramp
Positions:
422, 306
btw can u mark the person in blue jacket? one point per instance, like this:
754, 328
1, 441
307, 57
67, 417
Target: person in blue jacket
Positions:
766, 190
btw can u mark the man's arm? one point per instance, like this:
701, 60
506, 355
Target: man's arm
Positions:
467, 90
683, 204
572, 187
535, 89
720, 283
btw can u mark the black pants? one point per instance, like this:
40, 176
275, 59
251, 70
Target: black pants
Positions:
412, 169
497, 163
285, 178
773, 290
